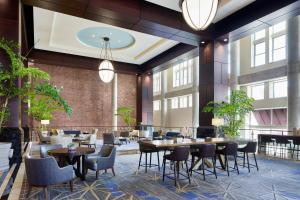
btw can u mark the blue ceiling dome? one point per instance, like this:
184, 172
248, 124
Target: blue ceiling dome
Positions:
93, 37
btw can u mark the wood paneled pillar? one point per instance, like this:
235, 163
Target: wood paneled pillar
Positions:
213, 77
145, 99
9, 29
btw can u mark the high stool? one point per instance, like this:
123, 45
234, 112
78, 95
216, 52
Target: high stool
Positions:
148, 150
282, 143
249, 148
180, 154
230, 149
296, 143
266, 142
204, 152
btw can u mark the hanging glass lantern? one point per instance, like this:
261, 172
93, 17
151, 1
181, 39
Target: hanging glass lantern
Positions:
106, 68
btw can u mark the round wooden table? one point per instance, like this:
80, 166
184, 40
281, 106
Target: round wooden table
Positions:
77, 155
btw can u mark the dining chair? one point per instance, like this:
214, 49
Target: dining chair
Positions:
144, 149
230, 149
104, 160
44, 172
249, 148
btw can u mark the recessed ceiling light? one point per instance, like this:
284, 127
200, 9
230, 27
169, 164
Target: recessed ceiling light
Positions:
93, 36
202, 42
225, 40
110, 33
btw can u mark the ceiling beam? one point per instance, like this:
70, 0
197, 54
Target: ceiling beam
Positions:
257, 15
136, 15
68, 60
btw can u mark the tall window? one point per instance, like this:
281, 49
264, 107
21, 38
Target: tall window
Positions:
190, 100
277, 42
182, 73
278, 88
183, 101
259, 48
256, 91
157, 82
174, 103
156, 105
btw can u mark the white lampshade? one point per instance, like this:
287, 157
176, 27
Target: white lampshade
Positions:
106, 71
217, 122
45, 122
198, 14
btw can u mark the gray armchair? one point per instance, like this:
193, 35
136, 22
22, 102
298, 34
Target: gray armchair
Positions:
47, 147
109, 139
104, 160
43, 139
43, 172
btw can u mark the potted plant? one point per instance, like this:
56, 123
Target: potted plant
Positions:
233, 112
126, 114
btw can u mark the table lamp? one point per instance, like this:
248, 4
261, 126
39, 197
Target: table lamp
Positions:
44, 124
217, 122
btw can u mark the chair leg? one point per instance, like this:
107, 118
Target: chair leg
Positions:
158, 161
226, 165
71, 185
255, 161
97, 174
177, 166
248, 162
146, 162
203, 169
175, 176
29, 191
192, 164
113, 171
244, 160
187, 171
140, 161
237, 167
164, 168
46, 193
214, 165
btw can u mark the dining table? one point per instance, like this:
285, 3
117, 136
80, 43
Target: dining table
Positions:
175, 142
73, 156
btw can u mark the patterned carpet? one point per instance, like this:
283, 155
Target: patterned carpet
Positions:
276, 179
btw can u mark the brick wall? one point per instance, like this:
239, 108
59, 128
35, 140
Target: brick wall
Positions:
90, 98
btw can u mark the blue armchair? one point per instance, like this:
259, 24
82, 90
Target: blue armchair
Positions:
104, 160
44, 172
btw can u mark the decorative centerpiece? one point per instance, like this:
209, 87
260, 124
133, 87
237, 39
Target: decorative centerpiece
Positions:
71, 147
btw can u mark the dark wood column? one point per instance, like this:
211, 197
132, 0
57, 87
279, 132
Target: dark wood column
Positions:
9, 29
145, 99
213, 77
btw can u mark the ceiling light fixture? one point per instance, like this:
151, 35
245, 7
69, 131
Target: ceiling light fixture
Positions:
202, 42
225, 40
106, 68
198, 14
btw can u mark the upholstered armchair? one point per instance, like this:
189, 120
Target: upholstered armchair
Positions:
104, 160
110, 139
47, 147
90, 142
43, 139
44, 172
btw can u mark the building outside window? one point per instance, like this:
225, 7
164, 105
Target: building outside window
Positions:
278, 88
174, 103
259, 48
156, 105
157, 82
277, 41
256, 91
182, 73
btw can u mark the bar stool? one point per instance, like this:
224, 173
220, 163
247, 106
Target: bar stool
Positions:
148, 150
281, 143
180, 154
296, 142
267, 142
249, 148
230, 149
204, 152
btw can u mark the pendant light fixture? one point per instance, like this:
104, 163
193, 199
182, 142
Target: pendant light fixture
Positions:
198, 14
106, 68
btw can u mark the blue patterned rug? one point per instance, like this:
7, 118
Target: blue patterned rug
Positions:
276, 179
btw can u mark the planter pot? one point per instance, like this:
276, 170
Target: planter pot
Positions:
5, 153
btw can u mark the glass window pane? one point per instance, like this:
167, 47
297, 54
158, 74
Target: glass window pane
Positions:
260, 34
279, 42
280, 89
174, 103
279, 117
279, 54
190, 100
260, 118
279, 27
260, 59
156, 105
260, 48
257, 92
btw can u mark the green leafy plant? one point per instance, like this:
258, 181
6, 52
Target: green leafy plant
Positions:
233, 111
126, 114
9, 87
